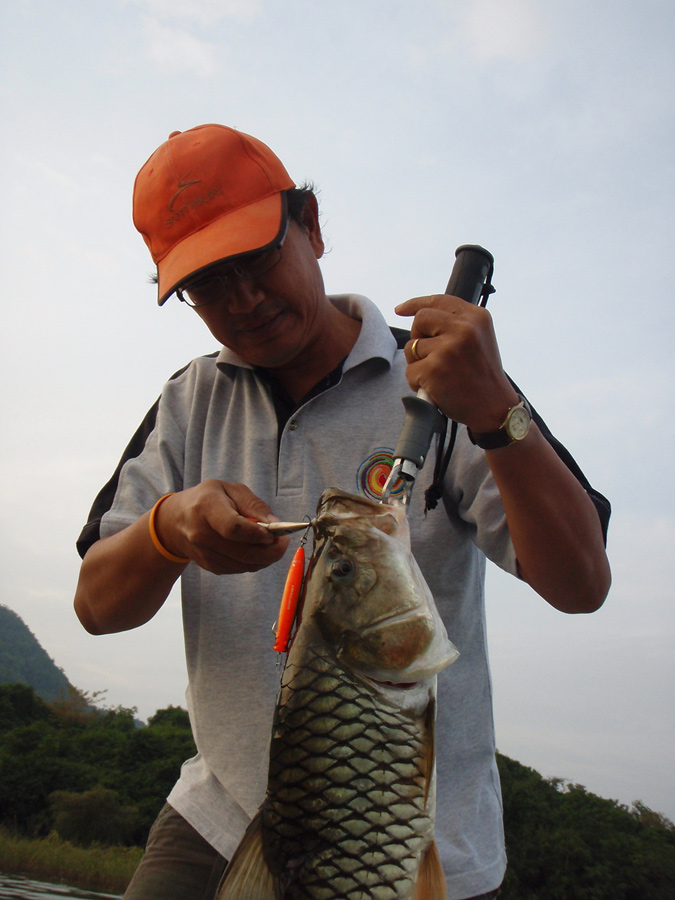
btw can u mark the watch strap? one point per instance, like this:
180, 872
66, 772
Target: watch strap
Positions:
493, 440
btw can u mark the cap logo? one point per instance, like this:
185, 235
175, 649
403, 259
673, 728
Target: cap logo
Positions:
180, 212
182, 186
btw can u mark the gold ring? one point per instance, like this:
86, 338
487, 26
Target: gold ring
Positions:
413, 349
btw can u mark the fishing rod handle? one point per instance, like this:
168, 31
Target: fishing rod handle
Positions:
472, 268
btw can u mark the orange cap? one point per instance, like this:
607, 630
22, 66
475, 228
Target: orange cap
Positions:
206, 194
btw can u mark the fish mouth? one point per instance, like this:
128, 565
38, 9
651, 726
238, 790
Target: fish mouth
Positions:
400, 651
337, 507
391, 620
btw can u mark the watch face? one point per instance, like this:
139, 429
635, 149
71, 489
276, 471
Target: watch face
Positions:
519, 423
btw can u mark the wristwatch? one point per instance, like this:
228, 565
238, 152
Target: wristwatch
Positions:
514, 428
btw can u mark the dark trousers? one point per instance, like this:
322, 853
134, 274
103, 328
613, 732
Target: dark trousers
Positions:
180, 865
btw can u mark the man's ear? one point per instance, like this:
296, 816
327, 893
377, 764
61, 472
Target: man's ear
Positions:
310, 222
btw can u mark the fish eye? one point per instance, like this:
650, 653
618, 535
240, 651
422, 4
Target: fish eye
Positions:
342, 569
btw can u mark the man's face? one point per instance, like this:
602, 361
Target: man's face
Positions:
271, 320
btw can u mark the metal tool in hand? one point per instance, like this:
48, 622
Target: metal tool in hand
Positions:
470, 280
281, 528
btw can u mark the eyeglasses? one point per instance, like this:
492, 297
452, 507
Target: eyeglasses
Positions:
208, 290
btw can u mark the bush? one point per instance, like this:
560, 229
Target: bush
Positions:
93, 817
56, 759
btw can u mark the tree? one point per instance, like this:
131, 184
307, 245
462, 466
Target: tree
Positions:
565, 843
172, 716
75, 746
93, 817
20, 705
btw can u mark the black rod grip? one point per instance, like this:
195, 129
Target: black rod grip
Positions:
473, 265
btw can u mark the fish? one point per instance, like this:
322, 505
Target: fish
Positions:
349, 808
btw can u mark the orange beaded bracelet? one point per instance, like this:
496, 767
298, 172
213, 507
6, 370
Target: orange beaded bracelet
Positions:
156, 541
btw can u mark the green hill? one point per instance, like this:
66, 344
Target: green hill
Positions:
23, 660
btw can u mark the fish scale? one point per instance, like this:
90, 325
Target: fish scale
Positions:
345, 810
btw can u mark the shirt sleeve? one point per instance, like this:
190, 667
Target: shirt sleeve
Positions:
148, 465
471, 495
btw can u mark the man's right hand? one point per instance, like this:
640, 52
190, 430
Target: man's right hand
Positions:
212, 525
124, 579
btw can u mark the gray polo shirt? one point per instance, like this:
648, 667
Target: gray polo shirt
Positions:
217, 420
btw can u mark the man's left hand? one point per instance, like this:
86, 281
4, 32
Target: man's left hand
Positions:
457, 360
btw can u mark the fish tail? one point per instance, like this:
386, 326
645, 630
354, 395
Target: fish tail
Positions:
247, 876
431, 878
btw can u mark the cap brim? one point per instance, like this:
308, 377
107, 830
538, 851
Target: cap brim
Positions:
244, 230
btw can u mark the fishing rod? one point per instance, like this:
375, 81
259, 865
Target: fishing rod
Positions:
470, 280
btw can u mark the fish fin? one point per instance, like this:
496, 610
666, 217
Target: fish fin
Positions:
431, 878
247, 876
429, 746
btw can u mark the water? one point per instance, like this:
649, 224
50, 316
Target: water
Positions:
16, 887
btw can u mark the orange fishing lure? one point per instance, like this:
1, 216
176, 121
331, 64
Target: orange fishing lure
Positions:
289, 601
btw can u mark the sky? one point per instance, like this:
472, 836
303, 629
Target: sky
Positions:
540, 129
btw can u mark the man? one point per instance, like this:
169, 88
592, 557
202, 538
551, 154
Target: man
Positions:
304, 395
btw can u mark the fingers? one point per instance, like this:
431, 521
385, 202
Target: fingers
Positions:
233, 511
453, 355
215, 525
234, 559
444, 324
433, 301
413, 351
419, 348
414, 305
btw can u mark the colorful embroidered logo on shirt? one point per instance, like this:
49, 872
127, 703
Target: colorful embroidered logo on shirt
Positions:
373, 473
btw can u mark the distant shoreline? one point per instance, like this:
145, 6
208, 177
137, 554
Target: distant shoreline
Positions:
103, 869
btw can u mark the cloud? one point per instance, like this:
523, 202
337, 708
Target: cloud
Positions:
202, 12
181, 51
481, 30
170, 26
502, 29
